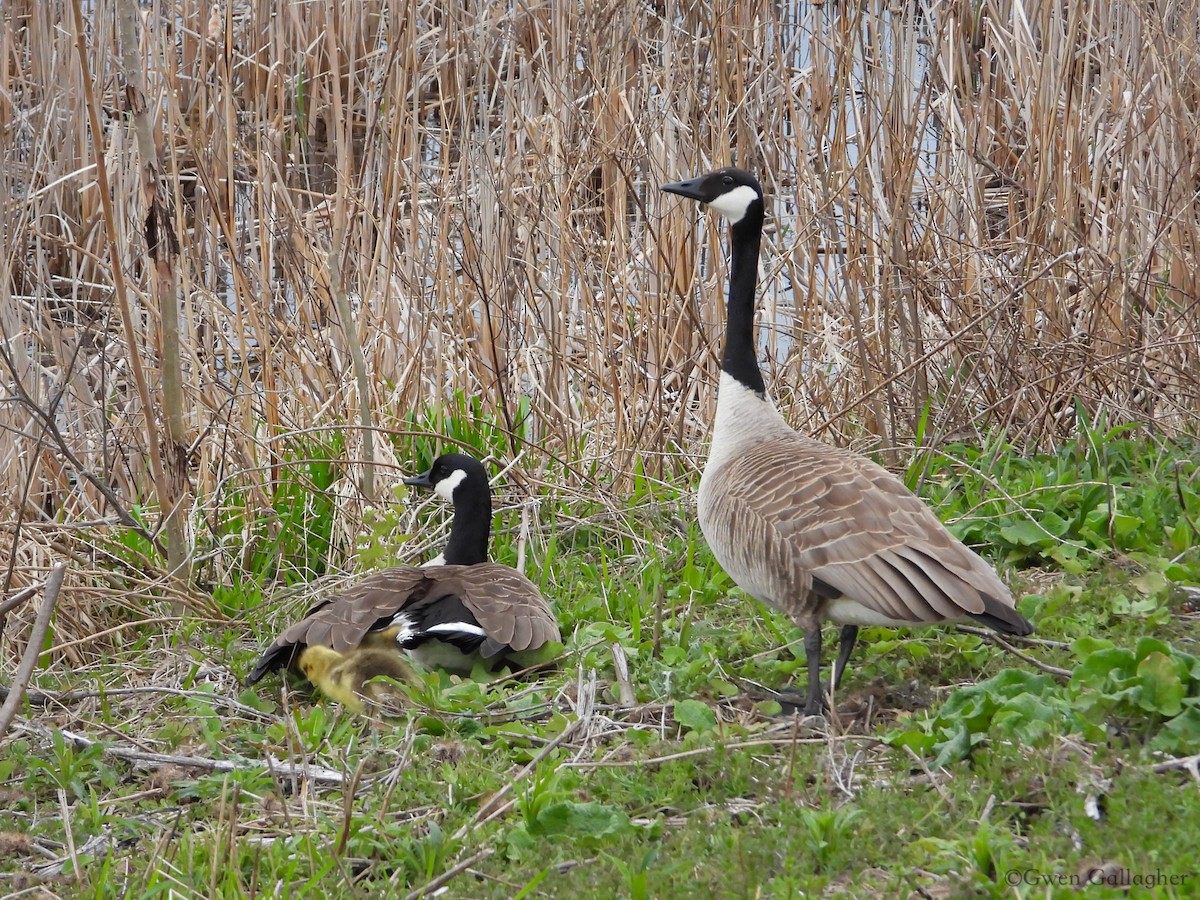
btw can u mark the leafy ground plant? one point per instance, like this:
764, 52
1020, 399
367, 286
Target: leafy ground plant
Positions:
653, 760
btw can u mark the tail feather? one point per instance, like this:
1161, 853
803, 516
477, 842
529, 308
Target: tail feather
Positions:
275, 657
1003, 618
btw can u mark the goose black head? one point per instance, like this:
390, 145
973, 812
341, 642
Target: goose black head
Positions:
451, 475
730, 191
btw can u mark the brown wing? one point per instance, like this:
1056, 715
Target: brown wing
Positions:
507, 605
830, 523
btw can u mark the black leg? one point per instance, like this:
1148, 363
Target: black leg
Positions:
812, 650
845, 645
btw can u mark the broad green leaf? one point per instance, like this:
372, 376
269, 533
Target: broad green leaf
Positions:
1053, 523
1029, 718
1085, 646
1162, 689
1151, 583
549, 651
724, 688
956, 746
768, 708
694, 715
519, 842
1104, 667
1123, 526
1181, 735
674, 655
1148, 645
580, 820
1026, 534
918, 741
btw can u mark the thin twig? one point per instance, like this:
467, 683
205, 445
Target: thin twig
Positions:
700, 751
621, 666
492, 808
1191, 763
33, 649
1033, 661
69, 832
318, 774
928, 774
1016, 639
18, 598
46, 698
426, 890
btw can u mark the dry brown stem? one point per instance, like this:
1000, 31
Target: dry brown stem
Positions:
33, 648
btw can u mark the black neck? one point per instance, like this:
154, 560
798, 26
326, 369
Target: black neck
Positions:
472, 525
740, 359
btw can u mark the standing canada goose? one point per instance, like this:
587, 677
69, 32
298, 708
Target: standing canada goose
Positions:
818, 532
451, 613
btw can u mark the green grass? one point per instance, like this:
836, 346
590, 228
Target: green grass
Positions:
952, 766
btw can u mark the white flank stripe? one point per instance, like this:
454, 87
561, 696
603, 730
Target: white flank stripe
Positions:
439, 560
456, 628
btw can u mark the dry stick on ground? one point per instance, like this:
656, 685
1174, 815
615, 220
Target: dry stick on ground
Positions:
46, 698
17, 599
319, 774
1191, 763
32, 649
933, 781
1002, 643
1017, 639
65, 812
427, 890
701, 751
621, 667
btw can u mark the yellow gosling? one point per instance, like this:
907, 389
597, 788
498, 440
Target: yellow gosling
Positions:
348, 677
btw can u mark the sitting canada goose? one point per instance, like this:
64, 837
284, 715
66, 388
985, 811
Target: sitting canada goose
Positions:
818, 532
451, 615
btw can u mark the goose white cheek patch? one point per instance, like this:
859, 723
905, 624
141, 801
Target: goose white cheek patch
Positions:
734, 204
445, 487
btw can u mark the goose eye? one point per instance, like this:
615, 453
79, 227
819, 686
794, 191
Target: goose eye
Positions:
728, 180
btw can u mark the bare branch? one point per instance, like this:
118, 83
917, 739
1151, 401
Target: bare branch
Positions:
33, 649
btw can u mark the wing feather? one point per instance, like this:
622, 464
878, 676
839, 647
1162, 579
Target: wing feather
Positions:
788, 510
